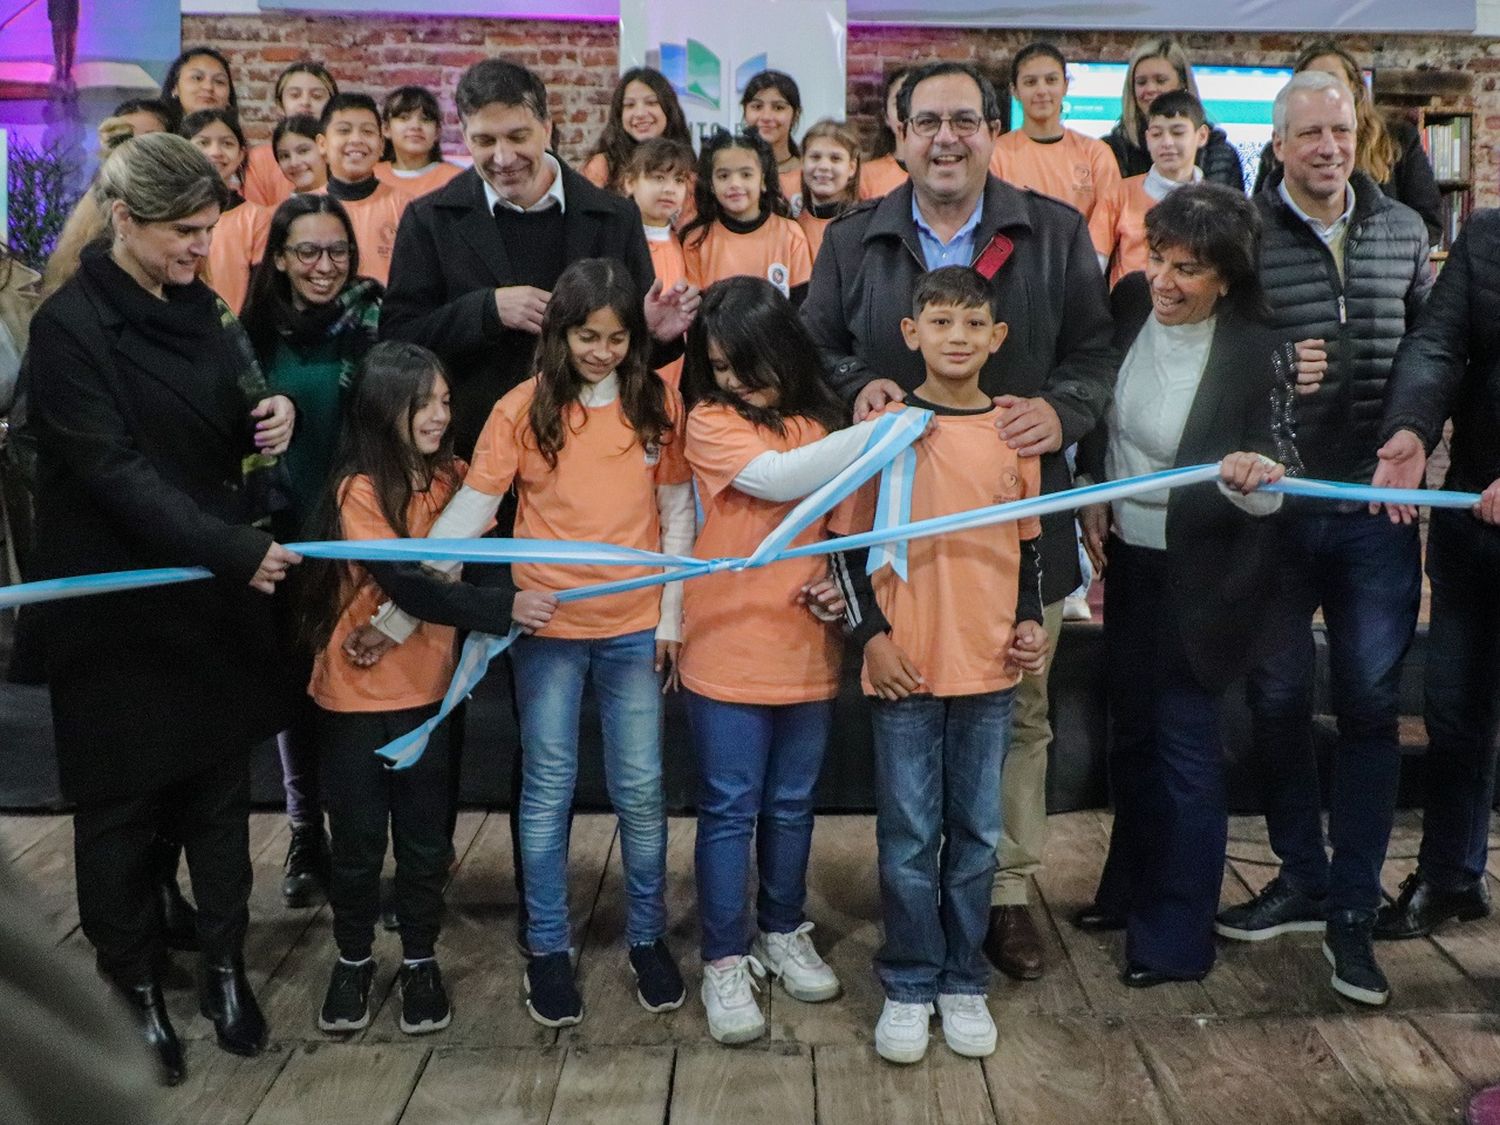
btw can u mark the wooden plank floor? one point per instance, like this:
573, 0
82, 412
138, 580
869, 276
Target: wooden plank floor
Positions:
1263, 1039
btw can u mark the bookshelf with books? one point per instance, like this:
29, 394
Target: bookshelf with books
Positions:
1447, 137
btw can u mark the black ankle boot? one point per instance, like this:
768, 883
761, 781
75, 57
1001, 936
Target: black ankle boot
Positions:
306, 867
179, 921
224, 996
150, 1012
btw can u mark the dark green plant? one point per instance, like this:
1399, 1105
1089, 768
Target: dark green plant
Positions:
40, 199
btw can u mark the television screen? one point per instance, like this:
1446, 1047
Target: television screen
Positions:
1237, 98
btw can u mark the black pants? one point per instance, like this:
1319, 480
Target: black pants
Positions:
363, 796
112, 841
1166, 771
1463, 698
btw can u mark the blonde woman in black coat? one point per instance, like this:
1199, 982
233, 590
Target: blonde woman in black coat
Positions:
147, 406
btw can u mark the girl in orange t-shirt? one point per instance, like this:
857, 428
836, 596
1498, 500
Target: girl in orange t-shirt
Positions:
592, 445
643, 107
761, 670
659, 178
412, 122
830, 178
883, 172
302, 90
741, 226
772, 107
392, 475
295, 143
239, 239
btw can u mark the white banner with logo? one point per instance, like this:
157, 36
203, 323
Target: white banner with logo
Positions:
710, 51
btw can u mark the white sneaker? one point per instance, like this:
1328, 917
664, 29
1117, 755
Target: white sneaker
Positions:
968, 1027
1076, 608
793, 960
728, 998
901, 1032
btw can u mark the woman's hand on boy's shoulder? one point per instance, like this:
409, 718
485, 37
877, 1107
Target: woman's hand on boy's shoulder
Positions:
1030, 426
872, 399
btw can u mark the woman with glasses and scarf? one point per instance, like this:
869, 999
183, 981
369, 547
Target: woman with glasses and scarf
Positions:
310, 318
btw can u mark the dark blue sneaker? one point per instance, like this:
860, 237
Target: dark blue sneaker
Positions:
551, 996
1350, 948
1280, 908
659, 985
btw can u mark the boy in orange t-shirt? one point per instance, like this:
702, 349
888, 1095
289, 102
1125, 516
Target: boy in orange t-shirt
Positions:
943, 651
351, 142
1175, 130
659, 178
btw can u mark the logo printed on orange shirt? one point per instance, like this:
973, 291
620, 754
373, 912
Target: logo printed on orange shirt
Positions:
777, 275
653, 453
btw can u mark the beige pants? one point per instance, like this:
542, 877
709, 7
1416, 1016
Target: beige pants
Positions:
1023, 785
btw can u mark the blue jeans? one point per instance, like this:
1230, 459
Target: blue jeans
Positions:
1166, 774
1462, 698
937, 824
1365, 573
757, 768
550, 674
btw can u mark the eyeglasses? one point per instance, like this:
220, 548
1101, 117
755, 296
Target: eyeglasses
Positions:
928, 124
309, 252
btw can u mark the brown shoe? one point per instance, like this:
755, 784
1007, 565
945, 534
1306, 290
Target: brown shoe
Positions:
1012, 943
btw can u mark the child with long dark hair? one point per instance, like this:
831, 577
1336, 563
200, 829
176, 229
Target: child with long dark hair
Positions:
883, 172
199, 78
772, 107
239, 240
294, 142
742, 226
301, 90
393, 472
643, 107
761, 673
592, 445
412, 121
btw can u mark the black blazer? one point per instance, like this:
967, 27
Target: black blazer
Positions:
139, 456
449, 259
1221, 560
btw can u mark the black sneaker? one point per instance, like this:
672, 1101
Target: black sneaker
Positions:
307, 866
1279, 909
1350, 949
658, 984
346, 1007
1421, 907
424, 1000
551, 996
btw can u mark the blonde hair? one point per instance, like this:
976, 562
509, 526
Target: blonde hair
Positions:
1375, 151
160, 177
843, 136
1157, 47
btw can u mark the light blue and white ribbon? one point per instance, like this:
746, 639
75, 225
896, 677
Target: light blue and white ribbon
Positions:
889, 445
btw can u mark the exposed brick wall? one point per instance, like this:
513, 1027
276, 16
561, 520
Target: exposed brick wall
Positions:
579, 62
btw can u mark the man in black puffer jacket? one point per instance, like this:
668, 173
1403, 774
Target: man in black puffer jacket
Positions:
1345, 272
1449, 367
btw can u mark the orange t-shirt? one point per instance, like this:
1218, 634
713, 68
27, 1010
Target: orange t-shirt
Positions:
412, 674
375, 220
596, 170
264, 183
667, 262
603, 490
813, 228
414, 186
955, 614
239, 242
745, 638
880, 176
776, 250
1078, 170
1130, 229
791, 189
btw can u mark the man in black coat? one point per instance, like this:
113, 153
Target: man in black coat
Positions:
475, 261
1449, 367
1052, 379
1345, 271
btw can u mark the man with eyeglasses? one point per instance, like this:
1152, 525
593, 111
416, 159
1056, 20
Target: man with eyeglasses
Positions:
1051, 380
